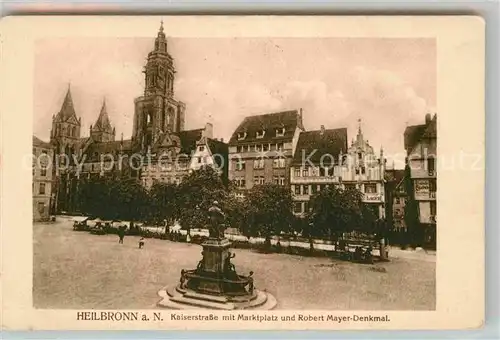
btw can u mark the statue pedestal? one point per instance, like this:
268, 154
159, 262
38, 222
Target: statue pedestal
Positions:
214, 284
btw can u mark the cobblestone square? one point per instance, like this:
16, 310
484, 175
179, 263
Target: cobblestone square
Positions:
83, 271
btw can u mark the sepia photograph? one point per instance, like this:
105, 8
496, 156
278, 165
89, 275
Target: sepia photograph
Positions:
242, 172
235, 173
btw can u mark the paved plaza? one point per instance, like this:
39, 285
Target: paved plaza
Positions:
80, 270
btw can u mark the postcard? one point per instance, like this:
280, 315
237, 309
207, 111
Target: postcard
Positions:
242, 172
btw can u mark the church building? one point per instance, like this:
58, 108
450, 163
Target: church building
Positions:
160, 149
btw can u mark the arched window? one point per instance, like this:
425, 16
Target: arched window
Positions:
148, 118
170, 117
73, 131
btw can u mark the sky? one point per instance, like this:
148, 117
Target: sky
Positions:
387, 83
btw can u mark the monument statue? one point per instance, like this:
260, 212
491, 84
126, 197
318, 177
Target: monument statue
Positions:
216, 225
215, 283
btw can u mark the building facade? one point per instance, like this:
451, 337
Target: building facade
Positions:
396, 198
421, 148
322, 158
262, 147
42, 180
315, 160
175, 155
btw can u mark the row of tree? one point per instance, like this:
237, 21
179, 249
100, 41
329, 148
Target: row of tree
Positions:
266, 210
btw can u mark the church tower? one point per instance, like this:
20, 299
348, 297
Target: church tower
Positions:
66, 127
157, 112
102, 131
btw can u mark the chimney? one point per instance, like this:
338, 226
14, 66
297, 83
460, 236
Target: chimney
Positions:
208, 132
322, 131
427, 118
301, 123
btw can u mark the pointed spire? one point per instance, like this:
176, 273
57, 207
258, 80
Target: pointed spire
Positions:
67, 108
102, 123
359, 126
161, 41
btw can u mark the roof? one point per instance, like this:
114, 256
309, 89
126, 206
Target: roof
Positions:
328, 141
67, 109
189, 139
108, 148
412, 135
269, 122
395, 175
415, 133
40, 143
217, 147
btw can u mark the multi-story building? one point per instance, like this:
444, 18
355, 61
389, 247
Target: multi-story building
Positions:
395, 199
333, 163
313, 168
160, 148
42, 179
175, 155
261, 149
421, 148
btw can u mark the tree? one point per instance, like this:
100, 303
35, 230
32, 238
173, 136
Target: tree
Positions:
269, 210
113, 198
335, 211
164, 202
197, 192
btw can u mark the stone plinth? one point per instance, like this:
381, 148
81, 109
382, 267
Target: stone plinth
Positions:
214, 284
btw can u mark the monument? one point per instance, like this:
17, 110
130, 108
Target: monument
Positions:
215, 284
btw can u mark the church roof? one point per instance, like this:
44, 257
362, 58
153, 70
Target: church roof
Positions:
269, 123
67, 109
96, 149
319, 143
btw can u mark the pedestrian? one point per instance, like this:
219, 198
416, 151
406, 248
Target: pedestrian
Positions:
141, 243
121, 234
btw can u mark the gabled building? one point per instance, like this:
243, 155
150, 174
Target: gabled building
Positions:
176, 154
323, 158
421, 148
262, 147
313, 168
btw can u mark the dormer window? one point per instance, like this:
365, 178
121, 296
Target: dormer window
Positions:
260, 134
280, 132
242, 135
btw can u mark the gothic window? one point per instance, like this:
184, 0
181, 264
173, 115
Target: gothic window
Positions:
73, 131
41, 188
148, 118
163, 121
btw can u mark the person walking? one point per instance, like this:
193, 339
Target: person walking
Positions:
141, 243
121, 234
